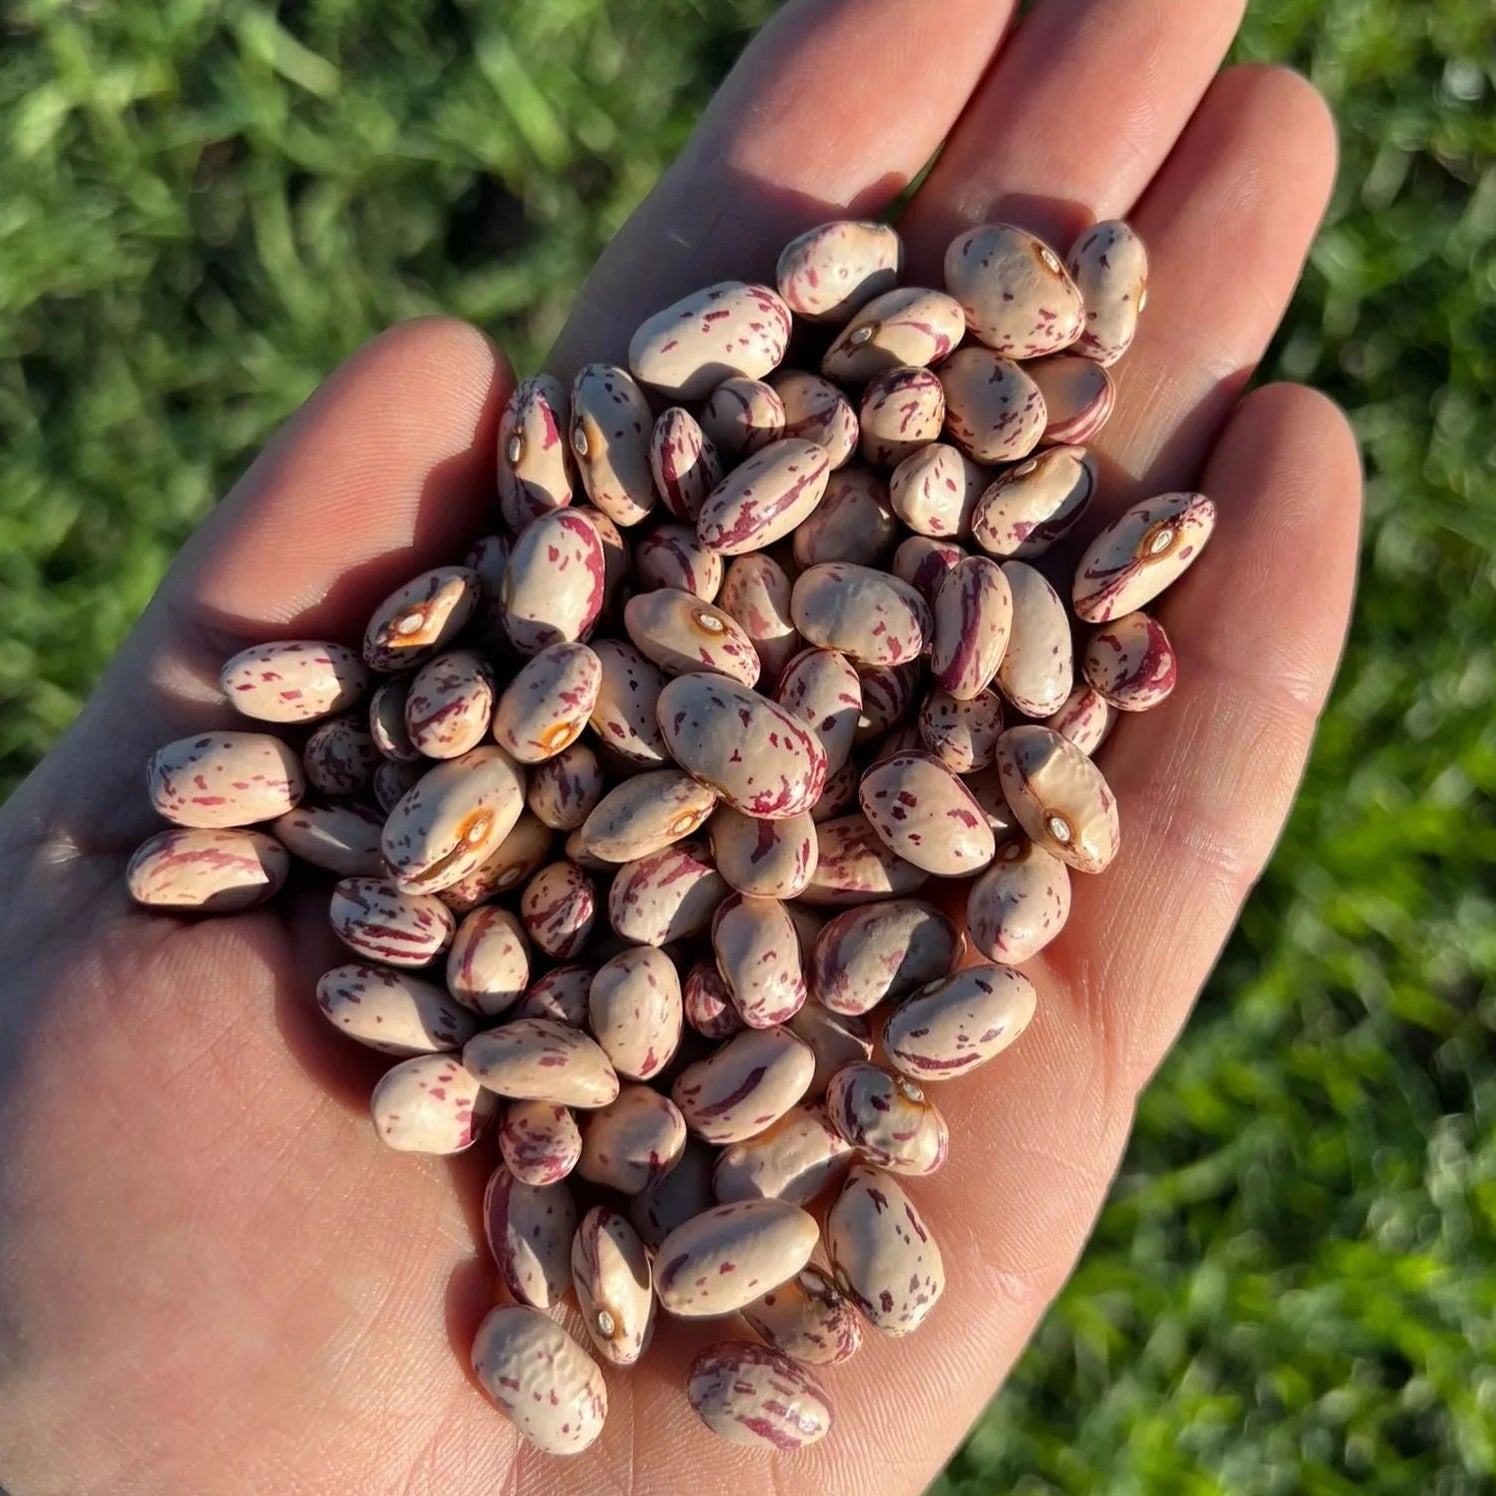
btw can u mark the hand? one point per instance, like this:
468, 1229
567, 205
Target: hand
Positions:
212, 1277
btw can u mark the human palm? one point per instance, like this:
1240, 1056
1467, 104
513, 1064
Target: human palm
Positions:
212, 1276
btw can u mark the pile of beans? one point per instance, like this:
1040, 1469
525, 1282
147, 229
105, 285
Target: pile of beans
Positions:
668, 774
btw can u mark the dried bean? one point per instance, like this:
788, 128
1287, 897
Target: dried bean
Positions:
564, 790
756, 592
634, 1143
973, 622
683, 634
683, 1193
742, 416
853, 522
1019, 904
1015, 292
419, 619
821, 688
430, 1104
827, 273
956, 1024
547, 1384
1140, 554
1059, 797
910, 327
1109, 265
540, 1142
666, 896
520, 853
1078, 397
340, 757
560, 994
935, 489
342, 839
729, 1255
993, 409
450, 704
225, 779
535, 473
673, 557
1131, 663
207, 871
611, 424
855, 866
809, 1319
645, 814
750, 1082
539, 1059
902, 410
554, 588
879, 953
635, 1010
488, 966
529, 1232
764, 498
882, 1253
793, 1160
1086, 719
722, 332
754, 1395
887, 1119
392, 781
373, 918
624, 716
1031, 506
839, 796
1038, 667
835, 1038
816, 411
758, 955
924, 563
868, 615
771, 859
684, 463
707, 1002
293, 680
392, 1011
559, 906
387, 721
615, 1288
961, 734
926, 815
545, 707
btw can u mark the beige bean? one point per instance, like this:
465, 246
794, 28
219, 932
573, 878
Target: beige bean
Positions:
624, 715
828, 272
450, 704
986, 788
1059, 797
392, 1011
961, 734
525, 849
342, 839
488, 966
1140, 554
682, 634
727, 1256
764, 498
392, 781
750, 1082
754, 1395
888, 1119
430, 1104
707, 1002
1038, 666
1032, 505
529, 1231
535, 471
993, 409
615, 1287
880, 953
559, 908
218, 780
293, 680
634, 1006
387, 721
646, 814
1019, 904
683, 1193
421, 618
770, 859
539, 1059
1130, 663
758, 956
561, 994
817, 411
871, 617
611, 424
549, 1386
742, 416
564, 790
554, 588
453, 819
855, 865
1014, 290
973, 616
726, 331
853, 522
1086, 719
923, 562
1109, 265
340, 756
539, 1141
835, 1038
792, 1160
959, 1023
910, 327
839, 796
634, 1143
934, 490
821, 688
373, 918
882, 1253
615, 554
902, 410
666, 896
809, 1319
756, 592
545, 707
926, 815
673, 557
684, 463
1078, 397
207, 871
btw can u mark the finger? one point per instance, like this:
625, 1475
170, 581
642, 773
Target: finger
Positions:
1228, 223
1073, 120
835, 107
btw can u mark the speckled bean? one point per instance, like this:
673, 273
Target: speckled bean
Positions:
559, 907
488, 966
611, 424
553, 590
821, 688
453, 819
340, 756
1059, 797
539, 1059
549, 1386
729, 1255
535, 473
633, 1144
342, 839
392, 1011
954, 1025
560, 994
681, 634
666, 896
293, 680
793, 1160
758, 956
684, 463
961, 734
817, 411
855, 866
1038, 667
769, 859
880, 953
646, 814
545, 707
529, 1232
1032, 505
1019, 904
673, 557
750, 1082
421, 618
1078, 397
750, 750
430, 1104
1140, 554
902, 409
756, 592
934, 490
224, 779
520, 853
634, 1007
540, 1142
615, 554
828, 272
624, 715
387, 721
909, 327
1016, 294
853, 522
836, 1038
1109, 265
756, 1396
888, 1119
882, 1254
708, 1004
392, 780
615, 1287
375, 919
764, 498
1086, 719
809, 1319
973, 615
730, 330
923, 562
207, 871
1131, 663
926, 815
868, 615
489, 557
742, 416
993, 410
564, 789
450, 704
836, 799
683, 1193
986, 788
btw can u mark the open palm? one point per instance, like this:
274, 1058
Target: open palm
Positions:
212, 1276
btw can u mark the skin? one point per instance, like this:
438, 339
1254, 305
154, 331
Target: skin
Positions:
174, 1113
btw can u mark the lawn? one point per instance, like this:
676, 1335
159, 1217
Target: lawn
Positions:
1293, 1289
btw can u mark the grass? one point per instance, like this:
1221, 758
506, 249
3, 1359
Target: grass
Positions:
202, 205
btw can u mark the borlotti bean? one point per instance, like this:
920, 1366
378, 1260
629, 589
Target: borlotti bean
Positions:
750, 655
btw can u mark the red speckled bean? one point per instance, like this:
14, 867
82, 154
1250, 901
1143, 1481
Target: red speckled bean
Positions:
882, 1253
539, 1059
749, 1083
708, 1004
488, 966
1140, 554
793, 1160
564, 790
666, 896
391, 781
853, 522
809, 1319
758, 955
986, 788
293, 680
645, 814
770, 859
902, 410
887, 1119
634, 1006
821, 688
754, 1395
764, 498
611, 424
959, 1023
1059, 797
421, 618
634, 1143
742, 416
961, 734
549, 1386
684, 463
546, 706
554, 588
993, 410
343, 839
559, 906
615, 1288
225, 779
387, 721
880, 953
926, 815
729, 1255
1015, 292
1078, 397
935, 489
430, 1104
924, 563
375, 919
683, 1193
756, 592
340, 757
910, 327
1038, 666
683, 634
673, 557
540, 1142
525, 848
561, 994
624, 715
1031, 506
615, 554
535, 473
1131, 663
836, 1038
207, 871
489, 557
721, 332
827, 273
856, 866
816, 411
872, 617
392, 1011
450, 704
1085, 719
973, 621
839, 796
1109, 265
529, 1232
1019, 904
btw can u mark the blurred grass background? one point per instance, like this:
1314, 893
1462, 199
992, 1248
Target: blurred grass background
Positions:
203, 204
